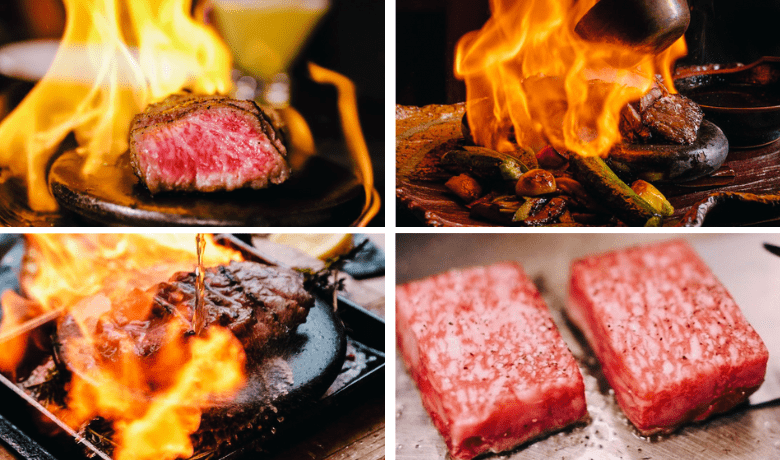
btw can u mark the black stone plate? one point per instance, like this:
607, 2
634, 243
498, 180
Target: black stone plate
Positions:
320, 193
673, 163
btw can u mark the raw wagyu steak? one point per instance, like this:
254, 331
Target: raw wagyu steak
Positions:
206, 144
490, 364
671, 341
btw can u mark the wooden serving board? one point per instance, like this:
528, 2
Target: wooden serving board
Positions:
748, 271
424, 134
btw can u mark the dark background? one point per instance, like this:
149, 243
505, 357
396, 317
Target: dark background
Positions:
350, 40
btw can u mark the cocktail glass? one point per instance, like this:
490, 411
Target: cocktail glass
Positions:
265, 36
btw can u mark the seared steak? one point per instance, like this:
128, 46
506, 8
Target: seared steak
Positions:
675, 118
661, 117
258, 303
206, 144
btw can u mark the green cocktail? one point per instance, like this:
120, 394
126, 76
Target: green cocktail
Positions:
266, 35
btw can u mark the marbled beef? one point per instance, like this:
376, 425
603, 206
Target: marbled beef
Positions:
672, 342
206, 144
492, 369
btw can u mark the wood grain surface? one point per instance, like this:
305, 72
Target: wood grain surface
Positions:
747, 270
424, 134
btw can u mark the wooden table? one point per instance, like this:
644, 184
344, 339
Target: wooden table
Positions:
739, 261
358, 431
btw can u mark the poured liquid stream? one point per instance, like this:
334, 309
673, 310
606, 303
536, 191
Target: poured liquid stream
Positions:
198, 316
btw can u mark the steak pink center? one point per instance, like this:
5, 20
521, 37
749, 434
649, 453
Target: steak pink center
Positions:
208, 148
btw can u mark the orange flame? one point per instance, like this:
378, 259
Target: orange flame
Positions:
116, 57
15, 311
527, 70
156, 425
154, 402
61, 269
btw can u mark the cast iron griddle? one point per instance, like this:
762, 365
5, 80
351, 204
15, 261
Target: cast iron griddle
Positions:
319, 193
313, 357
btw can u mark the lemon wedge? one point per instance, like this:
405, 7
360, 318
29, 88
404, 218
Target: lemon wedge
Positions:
320, 245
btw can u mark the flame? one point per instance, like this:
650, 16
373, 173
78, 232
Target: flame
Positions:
56, 275
529, 75
15, 311
154, 402
115, 57
157, 425
356, 144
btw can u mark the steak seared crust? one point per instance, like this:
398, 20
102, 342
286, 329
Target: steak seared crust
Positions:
661, 117
258, 303
675, 118
206, 144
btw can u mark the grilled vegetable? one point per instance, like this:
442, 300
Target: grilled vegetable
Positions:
653, 196
566, 218
548, 214
596, 176
535, 182
465, 186
579, 196
530, 207
498, 209
481, 162
511, 171
549, 158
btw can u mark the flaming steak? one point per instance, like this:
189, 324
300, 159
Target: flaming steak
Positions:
258, 303
206, 144
671, 341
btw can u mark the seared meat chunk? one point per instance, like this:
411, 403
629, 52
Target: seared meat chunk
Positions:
258, 303
675, 118
661, 117
206, 144
631, 126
